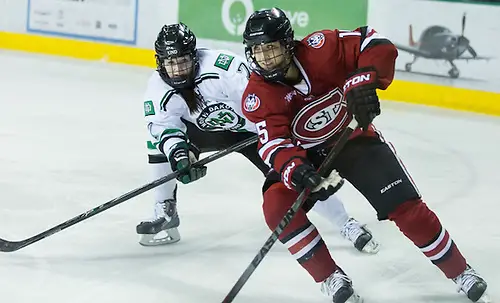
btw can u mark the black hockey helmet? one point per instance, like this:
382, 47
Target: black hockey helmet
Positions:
268, 26
176, 56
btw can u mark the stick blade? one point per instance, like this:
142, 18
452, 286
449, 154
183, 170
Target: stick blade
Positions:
8, 246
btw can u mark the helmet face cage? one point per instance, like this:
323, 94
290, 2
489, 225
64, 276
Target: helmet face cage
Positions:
263, 29
176, 56
281, 57
180, 67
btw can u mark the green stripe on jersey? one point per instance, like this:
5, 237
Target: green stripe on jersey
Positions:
152, 145
166, 97
171, 131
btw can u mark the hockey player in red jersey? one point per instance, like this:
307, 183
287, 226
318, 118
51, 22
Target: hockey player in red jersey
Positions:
301, 95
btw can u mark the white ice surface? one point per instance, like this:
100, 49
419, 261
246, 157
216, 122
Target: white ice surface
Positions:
71, 138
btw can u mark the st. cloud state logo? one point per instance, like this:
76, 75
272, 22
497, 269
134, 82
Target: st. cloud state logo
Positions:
321, 119
219, 116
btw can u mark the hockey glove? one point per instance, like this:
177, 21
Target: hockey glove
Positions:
361, 95
181, 157
299, 175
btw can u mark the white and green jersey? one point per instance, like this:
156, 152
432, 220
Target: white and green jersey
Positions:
221, 80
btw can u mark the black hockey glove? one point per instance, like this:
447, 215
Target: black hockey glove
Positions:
181, 157
361, 95
299, 175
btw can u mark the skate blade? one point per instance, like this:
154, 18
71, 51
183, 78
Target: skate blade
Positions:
164, 237
485, 298
372, 247
355, 298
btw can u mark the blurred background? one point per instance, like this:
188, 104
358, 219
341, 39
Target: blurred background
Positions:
448, 50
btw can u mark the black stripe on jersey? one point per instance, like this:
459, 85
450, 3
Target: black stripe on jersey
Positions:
154, 159
364, 31
162, 142
166, 97
311, 252
206, 77
202, 76
295, 233
376, 42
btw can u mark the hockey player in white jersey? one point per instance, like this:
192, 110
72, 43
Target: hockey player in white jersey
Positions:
192, 105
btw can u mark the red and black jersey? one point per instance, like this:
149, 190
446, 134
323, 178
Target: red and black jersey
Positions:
289, 119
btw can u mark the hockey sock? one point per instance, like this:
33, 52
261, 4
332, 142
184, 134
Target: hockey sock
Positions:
168, 189
421, 225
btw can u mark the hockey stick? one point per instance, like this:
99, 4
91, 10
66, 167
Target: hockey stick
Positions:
324, 170
9, 246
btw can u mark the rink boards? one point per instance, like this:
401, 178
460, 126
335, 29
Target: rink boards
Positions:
401, 90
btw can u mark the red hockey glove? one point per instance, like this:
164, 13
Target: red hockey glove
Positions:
299, 175
361, 95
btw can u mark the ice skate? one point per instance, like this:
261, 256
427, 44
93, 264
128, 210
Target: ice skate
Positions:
360, 236
338, 286
473, 285
162, 229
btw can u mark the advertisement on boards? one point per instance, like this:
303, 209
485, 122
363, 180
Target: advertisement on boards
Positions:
444, 43
225, 19
113, 21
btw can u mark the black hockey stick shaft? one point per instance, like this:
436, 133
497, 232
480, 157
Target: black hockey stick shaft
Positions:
324, 170
9, 246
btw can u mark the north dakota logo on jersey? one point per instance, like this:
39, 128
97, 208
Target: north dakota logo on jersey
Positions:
149, 108
224, 61
219, 117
